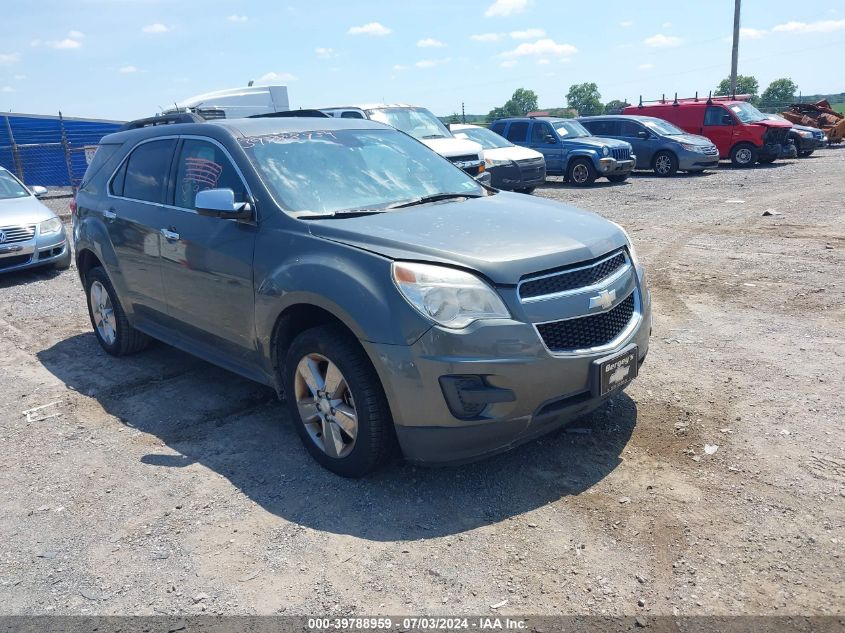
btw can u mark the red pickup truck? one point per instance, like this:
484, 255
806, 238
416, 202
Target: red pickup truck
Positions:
740, 131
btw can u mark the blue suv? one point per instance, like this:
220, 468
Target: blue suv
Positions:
569, 148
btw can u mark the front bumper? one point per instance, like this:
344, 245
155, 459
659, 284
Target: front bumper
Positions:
540, 392
770, 151
691, 161
40, 251
612, 167
511, 177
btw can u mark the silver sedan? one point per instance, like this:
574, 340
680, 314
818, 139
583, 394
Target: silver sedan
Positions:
30, 234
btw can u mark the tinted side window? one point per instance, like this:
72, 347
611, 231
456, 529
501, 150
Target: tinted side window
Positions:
604, 128
146, 171
518, 131
715, 115
116, 187
351, 114
630, 129
499, 128
540, 131
102, 156
203, 165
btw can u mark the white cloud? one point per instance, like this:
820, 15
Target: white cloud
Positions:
272, 76
238, 18
324, 53
502, 8
34, 43
76, 35
128, 70
751, 34
645, 66
541, 47
373, 28
822, 26
430, 42
626, 24
510, 63
158, 27
7, 89
431, 63
667, 25
65, 44
662, 41
7, 59
400, 67
486, 37
543, 61
528, 34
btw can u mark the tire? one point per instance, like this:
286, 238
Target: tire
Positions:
665, 164
525, 190
581, 173
360, 442
744, 155
64, 262
618, 178
805, 153
114, 333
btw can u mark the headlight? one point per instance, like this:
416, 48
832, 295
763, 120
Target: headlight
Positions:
452, 298
495, 162
605, 150
48, 227
806, 134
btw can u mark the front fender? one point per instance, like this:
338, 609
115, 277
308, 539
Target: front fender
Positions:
583, 153
353, 285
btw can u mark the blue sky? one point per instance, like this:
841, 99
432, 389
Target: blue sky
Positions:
120, 59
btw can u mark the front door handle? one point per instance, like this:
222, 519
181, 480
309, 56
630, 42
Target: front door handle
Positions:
109, 215
170, 235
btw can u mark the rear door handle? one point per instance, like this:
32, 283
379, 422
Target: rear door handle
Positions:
170, 235
109, 215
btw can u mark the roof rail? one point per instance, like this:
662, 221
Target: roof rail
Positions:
308, 113
710, 99
180, 117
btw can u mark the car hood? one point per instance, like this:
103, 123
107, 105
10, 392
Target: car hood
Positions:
771, 123
806, 128
453, 146
27, 210
692, 139
599, 141
504, 236
511, 153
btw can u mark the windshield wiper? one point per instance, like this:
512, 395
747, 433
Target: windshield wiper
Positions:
434, 136
435, 198
346, 213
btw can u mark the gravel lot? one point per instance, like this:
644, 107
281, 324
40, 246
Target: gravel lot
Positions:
161, 484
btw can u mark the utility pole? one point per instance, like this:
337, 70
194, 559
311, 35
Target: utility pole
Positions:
463, 113
735, 52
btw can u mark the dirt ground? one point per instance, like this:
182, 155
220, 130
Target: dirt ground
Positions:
161, 484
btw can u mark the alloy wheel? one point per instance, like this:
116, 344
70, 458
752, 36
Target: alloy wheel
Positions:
325, 405
580, 173
103, 311
743, 156
663, 164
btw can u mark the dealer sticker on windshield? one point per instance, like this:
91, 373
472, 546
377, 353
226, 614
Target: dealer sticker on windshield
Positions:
615, 372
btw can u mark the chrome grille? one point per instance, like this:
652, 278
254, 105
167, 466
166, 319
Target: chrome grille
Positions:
590, 331
573, 277
711, 150
14, 234
532, 167
621, 153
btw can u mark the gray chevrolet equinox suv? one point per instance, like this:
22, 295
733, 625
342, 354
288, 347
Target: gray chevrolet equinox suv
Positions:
381, 291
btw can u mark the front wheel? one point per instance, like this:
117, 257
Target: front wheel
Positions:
744, 155
581, 172
618, 178
111, 326
665, 164
336, 402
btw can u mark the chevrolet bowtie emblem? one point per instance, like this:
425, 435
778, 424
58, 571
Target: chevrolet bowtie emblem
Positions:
603, 300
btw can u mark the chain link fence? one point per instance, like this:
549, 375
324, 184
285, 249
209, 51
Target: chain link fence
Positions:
52, 151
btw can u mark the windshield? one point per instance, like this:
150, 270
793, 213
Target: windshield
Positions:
662, 127
418, 122
10, 187
570, 129
326, 172
747, 113
488, 139
775, 117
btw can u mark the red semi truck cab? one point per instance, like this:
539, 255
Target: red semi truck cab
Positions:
740, 131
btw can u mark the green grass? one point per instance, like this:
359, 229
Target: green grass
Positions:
839, 107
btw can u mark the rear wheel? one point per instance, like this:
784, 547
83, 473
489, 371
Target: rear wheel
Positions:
665, 164
744, 155
111, 327
581, 172
336, 401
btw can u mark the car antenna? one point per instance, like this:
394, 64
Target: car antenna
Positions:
676, 99
696, 96
641, 101
710, 98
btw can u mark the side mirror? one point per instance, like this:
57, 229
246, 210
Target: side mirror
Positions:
220, 203
727, 120
38, 191
550, 139
643, 135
